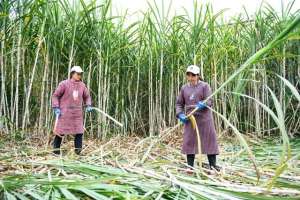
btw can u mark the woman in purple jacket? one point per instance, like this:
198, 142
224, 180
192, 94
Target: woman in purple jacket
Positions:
191, 96
67, 102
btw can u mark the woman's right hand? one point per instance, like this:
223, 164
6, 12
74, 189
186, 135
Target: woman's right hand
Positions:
183, 118
57, 112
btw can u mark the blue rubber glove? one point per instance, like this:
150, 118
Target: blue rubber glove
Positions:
182, 117
89, 109
57, 112
201, 105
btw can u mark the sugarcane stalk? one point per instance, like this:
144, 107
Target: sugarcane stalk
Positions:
54, 131
55, 125
108, 116
195, 126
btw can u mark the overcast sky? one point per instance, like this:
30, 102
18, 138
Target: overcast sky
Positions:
135, 7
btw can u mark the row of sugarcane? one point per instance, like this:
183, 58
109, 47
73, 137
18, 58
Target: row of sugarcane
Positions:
135, 73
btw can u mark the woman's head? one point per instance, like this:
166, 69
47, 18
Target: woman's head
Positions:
193, 74
76, 73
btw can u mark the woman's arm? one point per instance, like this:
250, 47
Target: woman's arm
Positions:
58, 93
87, 97
207, 92
180, 103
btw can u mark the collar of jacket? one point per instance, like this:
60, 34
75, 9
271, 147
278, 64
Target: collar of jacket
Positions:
190, 85
72, 80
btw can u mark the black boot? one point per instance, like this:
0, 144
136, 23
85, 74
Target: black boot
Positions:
212, 160
56, 145
190, 159
78, 143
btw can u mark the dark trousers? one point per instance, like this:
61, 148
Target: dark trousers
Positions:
77, 144
212, 160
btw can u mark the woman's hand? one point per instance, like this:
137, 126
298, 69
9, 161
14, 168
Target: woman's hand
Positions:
57, 112
201, 105
89, 109
183, 118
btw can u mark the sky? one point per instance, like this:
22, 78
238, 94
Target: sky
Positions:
134, 8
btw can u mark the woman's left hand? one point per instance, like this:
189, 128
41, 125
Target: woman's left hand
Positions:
201, 105
89, 109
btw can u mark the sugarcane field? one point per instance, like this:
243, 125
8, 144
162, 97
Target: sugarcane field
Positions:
150, 99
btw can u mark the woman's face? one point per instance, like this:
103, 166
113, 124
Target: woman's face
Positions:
77, 76
192, 78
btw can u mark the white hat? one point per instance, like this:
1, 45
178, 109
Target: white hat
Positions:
193, 69
76, 69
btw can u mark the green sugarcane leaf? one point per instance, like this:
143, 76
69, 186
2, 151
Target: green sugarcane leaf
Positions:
68, 194
9, 196
19, 195
93, 194
34, 195
291, 87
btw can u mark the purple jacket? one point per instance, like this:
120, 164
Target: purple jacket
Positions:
70, 96
186, 101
